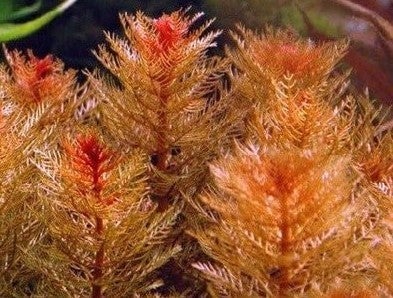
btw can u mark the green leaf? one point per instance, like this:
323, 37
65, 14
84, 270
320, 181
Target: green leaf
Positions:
13, 31
25, 11
6, 9
292, 16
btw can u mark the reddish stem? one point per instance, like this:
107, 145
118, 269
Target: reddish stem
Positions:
98, 263
285, 248
162, 145
99, 258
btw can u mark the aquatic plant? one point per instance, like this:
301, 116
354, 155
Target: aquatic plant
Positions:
189, 175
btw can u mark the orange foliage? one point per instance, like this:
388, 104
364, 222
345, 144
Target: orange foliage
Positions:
89, 163
37, 79
290, 177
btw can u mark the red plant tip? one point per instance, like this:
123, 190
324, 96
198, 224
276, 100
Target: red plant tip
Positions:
43, 67
37, 79
297, 59
91, 151
279, 53
169, 31
90, 160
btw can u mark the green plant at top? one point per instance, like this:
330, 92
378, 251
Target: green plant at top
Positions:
10, 12
286, 13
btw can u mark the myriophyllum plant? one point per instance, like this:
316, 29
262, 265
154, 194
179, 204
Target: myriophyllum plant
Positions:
252, 175
38, 100
289, 216
105, 238
170, 98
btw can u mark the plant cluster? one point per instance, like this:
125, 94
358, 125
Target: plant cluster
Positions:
183, 174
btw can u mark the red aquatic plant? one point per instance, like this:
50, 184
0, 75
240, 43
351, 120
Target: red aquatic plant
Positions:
89, 163
37, 79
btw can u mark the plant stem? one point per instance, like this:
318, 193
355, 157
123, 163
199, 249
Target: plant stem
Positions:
285, 247
98, 263
162, 145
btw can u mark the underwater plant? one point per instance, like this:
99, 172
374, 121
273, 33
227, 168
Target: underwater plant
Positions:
287, 218
177, 109
184, 174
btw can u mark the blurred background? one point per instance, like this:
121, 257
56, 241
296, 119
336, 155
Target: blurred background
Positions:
368, 24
